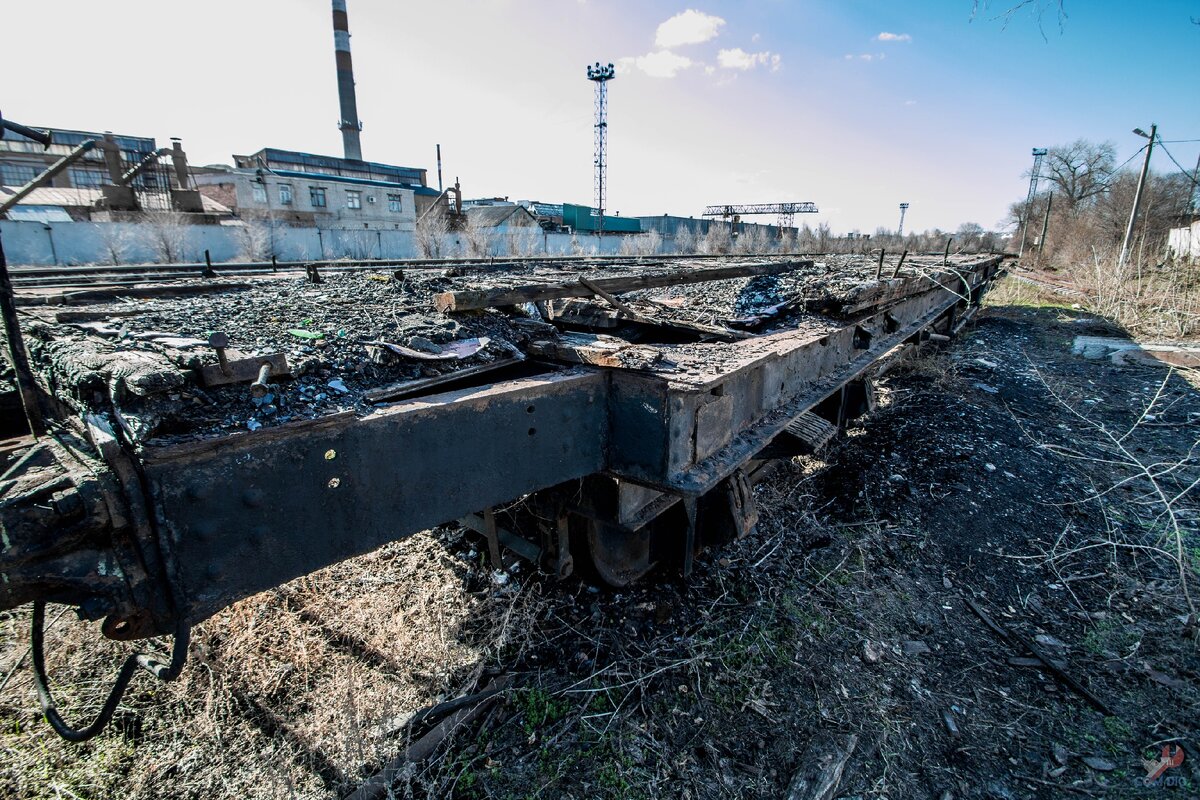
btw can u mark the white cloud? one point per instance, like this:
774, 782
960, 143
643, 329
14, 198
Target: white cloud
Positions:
893, 37
865, 56
910, 102
659, 64
688, 27
737, 58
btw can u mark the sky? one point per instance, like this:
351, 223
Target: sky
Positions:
851, 104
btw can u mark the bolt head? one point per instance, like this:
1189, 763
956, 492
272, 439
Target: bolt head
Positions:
218, 339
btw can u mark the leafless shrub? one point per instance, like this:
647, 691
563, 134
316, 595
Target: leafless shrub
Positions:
118, 241
255, 241
642, 244
166, 233
478, 236
753, 240
686, 241
524, 243
430, 233
358, 245
717, 241
1159, 519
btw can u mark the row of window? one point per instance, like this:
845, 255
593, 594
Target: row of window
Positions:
318, 199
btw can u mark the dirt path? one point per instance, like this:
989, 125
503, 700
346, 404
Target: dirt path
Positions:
840, 624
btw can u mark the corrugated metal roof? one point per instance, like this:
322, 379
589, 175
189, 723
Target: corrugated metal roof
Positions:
495, 216
85, 198
321, 177
39, 214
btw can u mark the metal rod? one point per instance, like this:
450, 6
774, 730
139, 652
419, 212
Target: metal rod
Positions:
879, 269
900, 263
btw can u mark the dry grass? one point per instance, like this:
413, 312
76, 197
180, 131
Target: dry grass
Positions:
1152, 301
297, 692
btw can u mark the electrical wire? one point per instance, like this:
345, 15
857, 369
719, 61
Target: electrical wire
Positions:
1131, 158
1189, 176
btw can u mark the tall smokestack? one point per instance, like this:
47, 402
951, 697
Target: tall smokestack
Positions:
349, 124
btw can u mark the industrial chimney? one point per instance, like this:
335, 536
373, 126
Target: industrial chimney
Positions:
349, 124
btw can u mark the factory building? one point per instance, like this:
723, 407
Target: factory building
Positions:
303, 189
21, 159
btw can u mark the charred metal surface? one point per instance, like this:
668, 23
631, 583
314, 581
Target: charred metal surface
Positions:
633, 459
293, 499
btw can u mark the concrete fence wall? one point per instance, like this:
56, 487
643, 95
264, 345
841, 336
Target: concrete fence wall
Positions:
73, 243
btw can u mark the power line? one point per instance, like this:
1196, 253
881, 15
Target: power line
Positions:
1131, 158
1176, 163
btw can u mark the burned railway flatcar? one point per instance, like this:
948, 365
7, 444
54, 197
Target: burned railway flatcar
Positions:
204, 440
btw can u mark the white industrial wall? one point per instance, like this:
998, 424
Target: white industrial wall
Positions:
71, 243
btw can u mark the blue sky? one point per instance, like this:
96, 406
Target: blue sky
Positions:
756, 101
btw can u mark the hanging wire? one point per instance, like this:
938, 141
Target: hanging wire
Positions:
1189, 175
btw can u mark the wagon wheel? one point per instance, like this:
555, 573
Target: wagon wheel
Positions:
617, 556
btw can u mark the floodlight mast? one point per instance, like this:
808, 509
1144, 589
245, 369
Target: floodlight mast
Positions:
1034, 176
601, 74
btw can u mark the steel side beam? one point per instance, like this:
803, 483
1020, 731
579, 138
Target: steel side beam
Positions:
250, 512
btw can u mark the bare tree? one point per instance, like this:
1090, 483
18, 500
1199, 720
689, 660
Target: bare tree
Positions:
1079, 171
686, 241
430, 233
717, 241
754, 240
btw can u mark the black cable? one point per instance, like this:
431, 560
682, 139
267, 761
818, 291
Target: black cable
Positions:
149, 663
1187, 174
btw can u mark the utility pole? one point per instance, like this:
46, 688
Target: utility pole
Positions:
1137, 196
1045, 225
1038, 154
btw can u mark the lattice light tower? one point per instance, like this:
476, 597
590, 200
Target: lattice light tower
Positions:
600, 75
1038, 154
900, 230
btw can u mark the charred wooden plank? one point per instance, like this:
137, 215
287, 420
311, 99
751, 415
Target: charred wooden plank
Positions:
595, 350
472, 299
403, 389
242, 370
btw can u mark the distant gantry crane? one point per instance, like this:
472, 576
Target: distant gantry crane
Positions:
785, 211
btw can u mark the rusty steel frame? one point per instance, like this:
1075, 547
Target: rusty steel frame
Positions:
206, 523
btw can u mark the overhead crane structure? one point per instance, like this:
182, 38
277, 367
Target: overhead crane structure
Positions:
786, 212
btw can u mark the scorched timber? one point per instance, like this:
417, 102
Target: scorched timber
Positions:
471, 300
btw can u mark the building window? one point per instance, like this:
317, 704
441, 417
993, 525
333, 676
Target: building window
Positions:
260, 193
88, 177
316, 194
353, 199
394, 203
16, 175
285, 194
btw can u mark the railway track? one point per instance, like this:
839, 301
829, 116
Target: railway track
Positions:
35, 277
